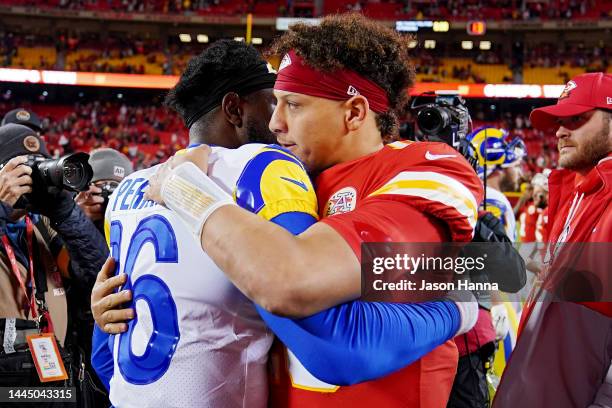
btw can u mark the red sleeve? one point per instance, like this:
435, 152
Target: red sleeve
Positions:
386, 220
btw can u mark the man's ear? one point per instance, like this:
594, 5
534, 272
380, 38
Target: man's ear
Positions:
232, 108
356, 111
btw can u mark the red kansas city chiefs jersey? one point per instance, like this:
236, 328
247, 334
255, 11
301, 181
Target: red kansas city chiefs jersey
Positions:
432, 179
406, 192
528, 221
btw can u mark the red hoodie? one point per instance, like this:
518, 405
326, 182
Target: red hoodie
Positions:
564, 348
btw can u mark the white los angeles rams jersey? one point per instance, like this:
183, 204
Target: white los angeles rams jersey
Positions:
499, 206
196, 341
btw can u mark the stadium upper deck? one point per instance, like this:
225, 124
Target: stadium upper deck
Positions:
384, 10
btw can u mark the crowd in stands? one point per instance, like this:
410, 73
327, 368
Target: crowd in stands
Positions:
267, 8
92, 52
431, 68
149, 134
593, 59
507, 9
146, 134
384, 9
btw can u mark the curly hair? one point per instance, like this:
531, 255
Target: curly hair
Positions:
224, 58
352, 41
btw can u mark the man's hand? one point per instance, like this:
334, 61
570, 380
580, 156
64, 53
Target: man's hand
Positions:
197, 155
15, 180
534, 266
105, 303
91, 202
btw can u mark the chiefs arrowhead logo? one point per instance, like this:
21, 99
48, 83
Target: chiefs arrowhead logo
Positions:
31, 143
285, 62
23, 115
342, 201
571, 85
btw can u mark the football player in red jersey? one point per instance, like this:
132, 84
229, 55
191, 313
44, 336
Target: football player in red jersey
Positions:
532, 212
339, 90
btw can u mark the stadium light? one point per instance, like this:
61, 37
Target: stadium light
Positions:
239, 39
467, 45
430, 44
441, 26
476, 28
485, 45
202, 38
185, 38
257, 41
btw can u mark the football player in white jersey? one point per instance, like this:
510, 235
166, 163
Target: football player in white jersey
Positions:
196, 341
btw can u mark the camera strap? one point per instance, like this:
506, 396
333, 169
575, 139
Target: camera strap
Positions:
30, 298
36, 306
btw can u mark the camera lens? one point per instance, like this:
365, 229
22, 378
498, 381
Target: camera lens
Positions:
73, 174
433, 120
76, 171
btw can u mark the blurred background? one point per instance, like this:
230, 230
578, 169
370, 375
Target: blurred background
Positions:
96, 71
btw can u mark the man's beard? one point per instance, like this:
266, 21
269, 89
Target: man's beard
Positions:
258, 132
593, 151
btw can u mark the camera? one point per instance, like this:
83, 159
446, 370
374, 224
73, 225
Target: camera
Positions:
540, 200
446, 119
107, 189
71, 172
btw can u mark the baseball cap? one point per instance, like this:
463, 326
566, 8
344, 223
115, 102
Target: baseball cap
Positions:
582, 94
17, 140
109, 164
25, 117
540, 180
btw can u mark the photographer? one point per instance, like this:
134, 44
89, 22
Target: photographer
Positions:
447, 120
22, 116
110, 167
49, 256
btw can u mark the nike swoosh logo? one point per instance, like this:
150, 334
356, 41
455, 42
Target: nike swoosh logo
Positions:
430, 156
298, 183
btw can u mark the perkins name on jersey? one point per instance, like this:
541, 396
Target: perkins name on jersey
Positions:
130, 195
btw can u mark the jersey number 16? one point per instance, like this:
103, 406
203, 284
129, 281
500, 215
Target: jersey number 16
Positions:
154, 362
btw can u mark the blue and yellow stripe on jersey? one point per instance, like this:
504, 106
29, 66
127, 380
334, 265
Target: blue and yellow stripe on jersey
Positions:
273, 184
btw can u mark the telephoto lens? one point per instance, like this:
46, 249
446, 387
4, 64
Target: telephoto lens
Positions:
433, 120
71, 172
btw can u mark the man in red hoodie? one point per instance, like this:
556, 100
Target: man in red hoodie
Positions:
562, 358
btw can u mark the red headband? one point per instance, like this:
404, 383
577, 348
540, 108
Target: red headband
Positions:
295, 76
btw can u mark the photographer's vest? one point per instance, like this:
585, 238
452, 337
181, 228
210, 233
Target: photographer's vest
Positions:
12, 297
